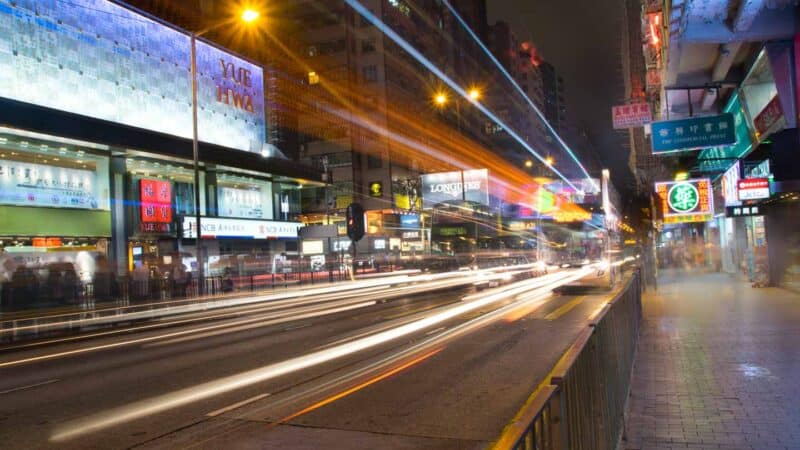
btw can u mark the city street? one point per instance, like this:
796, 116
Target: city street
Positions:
443, 370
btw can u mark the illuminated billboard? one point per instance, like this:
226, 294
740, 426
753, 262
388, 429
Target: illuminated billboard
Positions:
686, 201
454, 187
99, 59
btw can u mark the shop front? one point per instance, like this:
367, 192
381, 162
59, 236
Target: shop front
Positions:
96, 170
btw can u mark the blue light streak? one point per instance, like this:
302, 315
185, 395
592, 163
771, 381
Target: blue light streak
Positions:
519, 89
359, 8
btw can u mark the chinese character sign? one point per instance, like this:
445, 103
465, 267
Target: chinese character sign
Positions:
693, 133
156, 201
686, 201
627, 116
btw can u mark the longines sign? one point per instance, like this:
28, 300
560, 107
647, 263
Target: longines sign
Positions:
240, 228
99, 59
450, 187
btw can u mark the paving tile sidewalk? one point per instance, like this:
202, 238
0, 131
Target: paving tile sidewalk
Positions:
718, 367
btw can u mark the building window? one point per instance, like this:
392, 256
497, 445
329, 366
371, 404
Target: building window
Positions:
374, 162
368, 46
370, 73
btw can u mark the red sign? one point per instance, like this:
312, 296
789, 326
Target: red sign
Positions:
768, 116
634, 115
156, 201
753, 188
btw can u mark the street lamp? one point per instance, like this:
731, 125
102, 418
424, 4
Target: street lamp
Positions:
247, 16
440, 99
529, 163
474, 93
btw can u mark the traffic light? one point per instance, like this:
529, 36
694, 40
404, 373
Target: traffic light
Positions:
355, 222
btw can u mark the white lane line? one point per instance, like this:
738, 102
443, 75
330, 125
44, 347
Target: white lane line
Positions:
237, 405
435, 331
22, 388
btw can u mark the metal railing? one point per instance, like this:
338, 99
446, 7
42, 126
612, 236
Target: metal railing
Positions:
583, 405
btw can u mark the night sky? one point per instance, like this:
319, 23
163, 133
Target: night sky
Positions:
581, 38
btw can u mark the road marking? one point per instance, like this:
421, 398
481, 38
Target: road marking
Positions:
563, 309
297, 327
435, 331
237, 405
22, 388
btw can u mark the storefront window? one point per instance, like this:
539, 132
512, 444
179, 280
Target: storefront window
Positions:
39, 172
180, 177
287, 201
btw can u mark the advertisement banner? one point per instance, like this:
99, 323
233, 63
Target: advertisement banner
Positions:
215, 227
753, 188
244, 203
693, 133
99, 59
452, 187
628, 116
29, 184
686, 201
730, 190
155, 198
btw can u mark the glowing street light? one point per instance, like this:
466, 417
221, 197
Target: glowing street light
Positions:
529, 163
474, 93
549, 161
440, 99
249, 15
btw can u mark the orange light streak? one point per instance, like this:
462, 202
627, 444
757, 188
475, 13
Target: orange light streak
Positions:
360, 386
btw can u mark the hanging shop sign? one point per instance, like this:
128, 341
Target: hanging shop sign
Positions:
313, 247
216, 227
686, 201
628, 116
100, 59
28, 184
453, 187
693, 133
743, 211
753, 188
768, 117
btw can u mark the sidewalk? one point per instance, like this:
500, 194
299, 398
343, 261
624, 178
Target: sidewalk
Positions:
718, 367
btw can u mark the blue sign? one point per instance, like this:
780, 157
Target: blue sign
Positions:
409, 220
693, 133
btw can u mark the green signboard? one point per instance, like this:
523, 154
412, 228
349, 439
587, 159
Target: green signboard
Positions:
719, 159
683, 197
693, 133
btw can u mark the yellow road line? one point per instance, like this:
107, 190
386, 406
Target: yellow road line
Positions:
563, 309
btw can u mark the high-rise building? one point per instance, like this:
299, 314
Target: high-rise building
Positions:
555, 106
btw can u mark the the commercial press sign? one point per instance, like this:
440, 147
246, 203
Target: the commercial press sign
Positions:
686, 201
454, 187
99, 59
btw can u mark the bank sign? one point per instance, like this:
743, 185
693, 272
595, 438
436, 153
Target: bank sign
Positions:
99, 59
215, 227
452, 187
686, 201
693, 133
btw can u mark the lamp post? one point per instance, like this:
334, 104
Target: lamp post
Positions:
248, 16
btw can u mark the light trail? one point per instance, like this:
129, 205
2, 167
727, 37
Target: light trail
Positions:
182, 397
391, 34
521, 92
359, 386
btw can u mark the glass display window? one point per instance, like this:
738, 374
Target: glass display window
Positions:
244, 197
38, 171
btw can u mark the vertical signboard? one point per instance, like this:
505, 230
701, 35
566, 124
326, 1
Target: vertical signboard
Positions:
686, 201
155, 197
